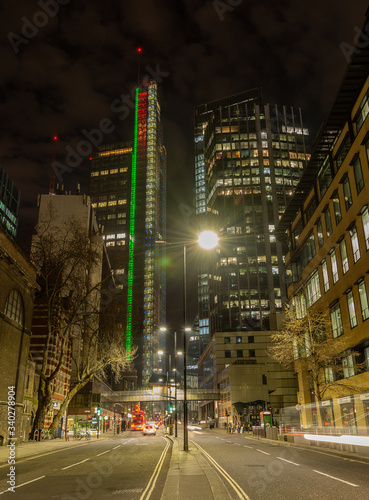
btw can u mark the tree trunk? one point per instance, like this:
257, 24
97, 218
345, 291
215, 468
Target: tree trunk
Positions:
44, 402
65, 405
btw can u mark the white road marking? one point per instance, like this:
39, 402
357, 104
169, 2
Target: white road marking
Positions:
119, 445
261, 451
103, 453
245, 446
23, 484
69, 466
336, 478
289, 461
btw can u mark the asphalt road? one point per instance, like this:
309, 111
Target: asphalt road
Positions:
130, 466
259, 470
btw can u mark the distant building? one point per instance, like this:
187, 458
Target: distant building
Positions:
9, 204
327, 228
238, 364
17, 291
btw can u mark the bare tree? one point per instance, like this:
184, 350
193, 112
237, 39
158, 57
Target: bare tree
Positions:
68, 258
307, 342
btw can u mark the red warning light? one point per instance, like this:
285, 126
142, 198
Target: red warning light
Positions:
55, 138
139, 49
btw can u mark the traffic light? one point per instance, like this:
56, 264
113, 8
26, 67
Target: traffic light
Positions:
171, 409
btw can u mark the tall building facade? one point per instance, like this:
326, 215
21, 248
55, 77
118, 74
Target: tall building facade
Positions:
327, 227
249, 157
146, 295
128, 191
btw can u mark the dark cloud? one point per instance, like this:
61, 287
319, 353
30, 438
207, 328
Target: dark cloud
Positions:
65, 78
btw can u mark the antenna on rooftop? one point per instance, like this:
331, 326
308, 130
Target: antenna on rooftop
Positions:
139, 50
52, 171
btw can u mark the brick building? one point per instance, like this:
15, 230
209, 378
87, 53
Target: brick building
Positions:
18, 285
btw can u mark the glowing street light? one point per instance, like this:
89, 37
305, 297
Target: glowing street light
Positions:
208, 240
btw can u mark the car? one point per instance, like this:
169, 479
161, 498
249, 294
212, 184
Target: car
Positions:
149, 429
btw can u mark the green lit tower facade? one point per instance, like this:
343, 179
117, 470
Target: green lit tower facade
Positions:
249, 157
146, 289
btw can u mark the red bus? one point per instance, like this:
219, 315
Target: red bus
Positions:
138, 419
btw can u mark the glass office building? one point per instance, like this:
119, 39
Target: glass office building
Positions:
249, 157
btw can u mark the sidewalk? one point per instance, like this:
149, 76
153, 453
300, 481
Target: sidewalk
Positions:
190, 473
32, 448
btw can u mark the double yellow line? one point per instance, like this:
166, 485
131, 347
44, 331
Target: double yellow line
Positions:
151, 484
237, 488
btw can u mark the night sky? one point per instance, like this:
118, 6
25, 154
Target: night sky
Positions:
65, 70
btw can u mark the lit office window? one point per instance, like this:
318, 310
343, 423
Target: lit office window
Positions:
358, 176
348, 366
334, 266
363, 301
328, 374
344, 257
319, 230
347, 193
355, 244
328, 222
336, 319
325, 276
337, 207
313, 289
351, 309
365, 222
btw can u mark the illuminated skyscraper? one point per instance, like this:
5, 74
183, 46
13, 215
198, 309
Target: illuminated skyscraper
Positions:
249, 158
128, 191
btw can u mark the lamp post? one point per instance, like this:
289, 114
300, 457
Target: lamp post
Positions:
206, 240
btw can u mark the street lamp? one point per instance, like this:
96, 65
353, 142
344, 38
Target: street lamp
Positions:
163, 329
207, 240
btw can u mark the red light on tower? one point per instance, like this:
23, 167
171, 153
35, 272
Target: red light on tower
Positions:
139, 49
55, 138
